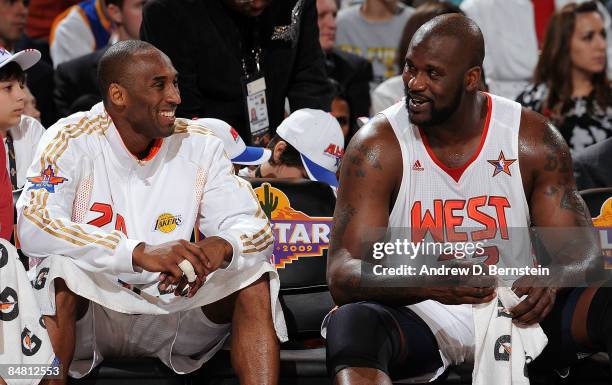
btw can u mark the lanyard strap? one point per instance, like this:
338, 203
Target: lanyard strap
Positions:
12, 161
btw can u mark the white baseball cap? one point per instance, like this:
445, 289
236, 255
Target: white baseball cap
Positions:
235, 147
26, 58
318, 138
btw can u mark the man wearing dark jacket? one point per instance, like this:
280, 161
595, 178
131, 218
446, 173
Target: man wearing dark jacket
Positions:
223, 48
592, 166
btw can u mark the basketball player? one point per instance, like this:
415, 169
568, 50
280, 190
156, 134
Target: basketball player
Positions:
111, 200
451, 156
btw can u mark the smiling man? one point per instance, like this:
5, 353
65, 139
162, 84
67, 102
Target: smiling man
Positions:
112, 198
447, 157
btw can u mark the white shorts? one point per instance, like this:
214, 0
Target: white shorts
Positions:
183, 341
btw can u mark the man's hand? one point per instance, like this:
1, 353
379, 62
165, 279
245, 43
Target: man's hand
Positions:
212, 252
165, 258
216, 251
458, 295
537, 305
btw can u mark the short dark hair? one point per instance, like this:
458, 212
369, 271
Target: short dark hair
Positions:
118, 3
12, 71
290, 157
115, 61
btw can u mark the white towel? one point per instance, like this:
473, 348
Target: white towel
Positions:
503, 349
23, 337
108, 291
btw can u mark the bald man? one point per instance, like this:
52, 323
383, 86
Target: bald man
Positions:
446, 160
110, 204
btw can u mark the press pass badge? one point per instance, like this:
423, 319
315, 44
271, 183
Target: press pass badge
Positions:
257, 107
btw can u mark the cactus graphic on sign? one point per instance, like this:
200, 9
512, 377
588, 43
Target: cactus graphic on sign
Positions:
270, 202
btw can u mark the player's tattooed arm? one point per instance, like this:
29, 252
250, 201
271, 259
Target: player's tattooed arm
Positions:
556, 208
368, 185
554, 188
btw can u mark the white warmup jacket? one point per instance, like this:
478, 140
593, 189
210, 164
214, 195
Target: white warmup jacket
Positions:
88, 202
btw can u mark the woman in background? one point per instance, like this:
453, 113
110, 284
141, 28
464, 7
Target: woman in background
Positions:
570, 85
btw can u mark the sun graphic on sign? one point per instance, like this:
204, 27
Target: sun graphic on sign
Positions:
604, 219
276, 204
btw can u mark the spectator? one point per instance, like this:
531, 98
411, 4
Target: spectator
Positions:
308, 144
391, 90
30, 108
12, 78
570, 85
237, 151
20, 133
352, 72
41, 15
76, 85
592, 166
341, 110
514, 33
13, 15
373, 30
216, 44
81, 29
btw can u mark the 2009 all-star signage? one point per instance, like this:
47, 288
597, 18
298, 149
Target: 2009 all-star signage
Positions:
296, 234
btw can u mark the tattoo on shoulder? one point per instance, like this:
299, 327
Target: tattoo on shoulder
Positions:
557, 155
342, 218
357, 156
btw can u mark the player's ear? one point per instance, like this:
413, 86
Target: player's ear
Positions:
117, 94
278, 150
472, 79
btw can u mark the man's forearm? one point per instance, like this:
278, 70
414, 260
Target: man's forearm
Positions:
349, 286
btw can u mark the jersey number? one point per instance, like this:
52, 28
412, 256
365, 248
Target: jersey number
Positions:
106, 217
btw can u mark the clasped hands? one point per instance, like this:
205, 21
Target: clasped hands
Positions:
204, 256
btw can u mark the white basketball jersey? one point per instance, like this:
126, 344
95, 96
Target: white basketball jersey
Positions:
482, 201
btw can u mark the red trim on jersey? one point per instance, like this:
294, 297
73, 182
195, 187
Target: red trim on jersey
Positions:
456, 172
157, 143
154, 150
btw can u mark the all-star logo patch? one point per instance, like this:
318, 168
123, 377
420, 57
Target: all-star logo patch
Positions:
47, 180
501, 164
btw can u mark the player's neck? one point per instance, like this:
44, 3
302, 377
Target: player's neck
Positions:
137, 144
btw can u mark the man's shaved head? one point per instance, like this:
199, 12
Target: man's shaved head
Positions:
455, 26
118, 62
443, 68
